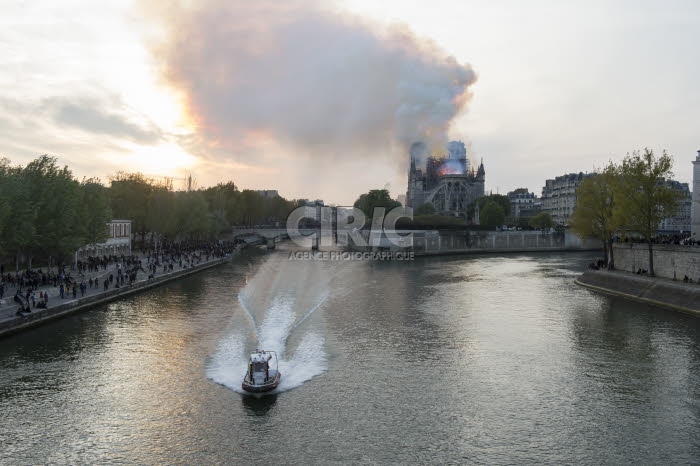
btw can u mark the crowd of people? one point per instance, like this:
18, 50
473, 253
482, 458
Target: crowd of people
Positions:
597, 264
106, 272
184, 254
28, 282
683, 238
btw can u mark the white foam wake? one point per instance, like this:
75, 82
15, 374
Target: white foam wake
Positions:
308, 361
229, 364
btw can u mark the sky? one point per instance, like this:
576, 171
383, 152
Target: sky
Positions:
323, 99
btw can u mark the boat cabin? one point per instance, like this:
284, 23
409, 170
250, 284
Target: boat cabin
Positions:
260, 377
259, 368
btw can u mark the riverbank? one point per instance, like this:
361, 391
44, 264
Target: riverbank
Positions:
662, 292
448, 242
11, 323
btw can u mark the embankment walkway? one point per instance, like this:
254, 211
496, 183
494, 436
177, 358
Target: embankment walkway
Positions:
663, 292
57, 307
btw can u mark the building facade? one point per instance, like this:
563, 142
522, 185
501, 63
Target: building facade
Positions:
118, 242
681, 220
446, 182
695, 208
523, 203
559, 196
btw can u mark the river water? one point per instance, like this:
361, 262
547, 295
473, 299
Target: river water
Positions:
470, 359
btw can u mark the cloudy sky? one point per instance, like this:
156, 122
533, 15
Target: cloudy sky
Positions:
322, 99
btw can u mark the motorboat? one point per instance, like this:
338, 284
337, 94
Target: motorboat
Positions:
263, 374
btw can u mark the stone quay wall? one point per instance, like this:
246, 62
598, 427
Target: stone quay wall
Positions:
679, 296
670, 261
439, 242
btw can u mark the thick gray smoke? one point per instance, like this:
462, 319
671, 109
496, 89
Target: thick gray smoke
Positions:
457, 150
319, 81
419, 153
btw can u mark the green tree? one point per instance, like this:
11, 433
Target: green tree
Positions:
94, 211
375, 198
161, 219
17, 210
492, 214
217, 200
6, 199
251, 207
425, 209
225, 205
593, 216
644, 199
55, 196
192, 213
541, 221
279, 209
503, 201
130, 195
499, 199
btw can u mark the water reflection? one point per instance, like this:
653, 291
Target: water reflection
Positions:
474, 359
259, 405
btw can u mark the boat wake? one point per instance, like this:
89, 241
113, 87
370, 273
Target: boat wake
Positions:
275, 319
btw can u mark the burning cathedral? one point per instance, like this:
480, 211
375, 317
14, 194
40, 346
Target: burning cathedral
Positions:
448, 183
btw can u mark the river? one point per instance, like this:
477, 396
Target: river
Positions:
469, 359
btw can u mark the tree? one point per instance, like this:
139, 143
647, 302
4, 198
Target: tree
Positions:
499, 199
425, 209
375, 198
17, 212
541, 221
492, 214
193, 219
130, 198
593, 216
55, 197
252, 206
217, 199
6, 199
94, 211
160, 213
278, 209
644, 199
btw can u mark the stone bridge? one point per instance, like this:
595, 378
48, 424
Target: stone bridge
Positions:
269, 236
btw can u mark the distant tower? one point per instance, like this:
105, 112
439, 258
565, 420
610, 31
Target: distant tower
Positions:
481, 173
695, 209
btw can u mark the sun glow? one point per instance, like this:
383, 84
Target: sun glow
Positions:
166, 159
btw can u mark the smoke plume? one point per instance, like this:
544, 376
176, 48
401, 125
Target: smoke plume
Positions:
321, 82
